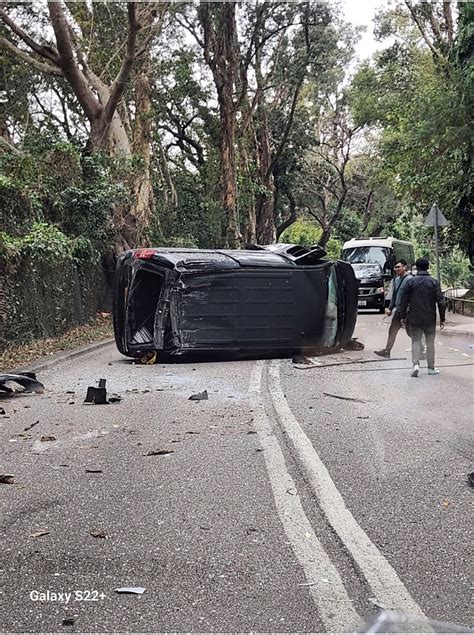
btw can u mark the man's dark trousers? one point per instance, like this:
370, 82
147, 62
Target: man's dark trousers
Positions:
416, 333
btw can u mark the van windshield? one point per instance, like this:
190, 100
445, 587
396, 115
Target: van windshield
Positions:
375, 255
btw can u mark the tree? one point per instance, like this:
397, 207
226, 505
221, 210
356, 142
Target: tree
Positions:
69, 57
418, 94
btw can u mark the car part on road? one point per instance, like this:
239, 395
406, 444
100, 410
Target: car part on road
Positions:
30, 426
9, 479
27, 380
158, 452
199, 396
353, 361
328, 394
98, 395
136, 590
259, 300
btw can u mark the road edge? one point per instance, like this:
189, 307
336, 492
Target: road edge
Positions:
46, 362
452, 333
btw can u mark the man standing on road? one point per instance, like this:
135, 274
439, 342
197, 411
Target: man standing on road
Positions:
401, 278
418, 310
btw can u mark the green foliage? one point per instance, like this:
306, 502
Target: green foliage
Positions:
302, 232
333, 248
454, 269
44, 242
421, 105
348, 226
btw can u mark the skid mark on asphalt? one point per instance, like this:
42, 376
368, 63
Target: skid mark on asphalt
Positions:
378, 572
323, 580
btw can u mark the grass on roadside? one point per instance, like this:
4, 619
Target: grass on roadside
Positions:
22, 354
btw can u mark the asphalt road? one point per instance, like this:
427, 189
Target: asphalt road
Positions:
279, 508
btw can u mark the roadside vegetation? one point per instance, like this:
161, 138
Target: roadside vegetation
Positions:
19, 355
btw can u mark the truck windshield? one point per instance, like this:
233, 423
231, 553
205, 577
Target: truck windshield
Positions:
375, 255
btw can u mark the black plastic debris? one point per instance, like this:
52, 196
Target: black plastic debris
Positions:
2, 411
27, 380
135, 590
199, 396
470, 479
158, 452
30, 426
98, 395
7, 478
68, 621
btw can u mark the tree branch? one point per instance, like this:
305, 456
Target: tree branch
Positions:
23, 55
421, 29
120, 81
45, 51
9, 147
69, 65
448, 16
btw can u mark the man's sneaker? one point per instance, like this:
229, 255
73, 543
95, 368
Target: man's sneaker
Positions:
383, 353
433, 371
416, 370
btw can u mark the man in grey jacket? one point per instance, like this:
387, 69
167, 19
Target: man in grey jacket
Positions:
398, 287
421, 295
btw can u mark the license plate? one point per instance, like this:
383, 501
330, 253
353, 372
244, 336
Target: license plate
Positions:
362, 303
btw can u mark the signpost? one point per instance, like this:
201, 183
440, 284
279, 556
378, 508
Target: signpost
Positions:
436, 219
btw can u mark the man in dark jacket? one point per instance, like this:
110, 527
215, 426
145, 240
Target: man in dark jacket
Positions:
401, 278
418, 310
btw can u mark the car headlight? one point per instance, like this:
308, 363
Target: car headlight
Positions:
380, 290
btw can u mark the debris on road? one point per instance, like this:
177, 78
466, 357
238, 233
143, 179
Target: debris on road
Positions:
2, 411
98, 395
27, 380
470, 479
47, 437
38, 534
7, 478
68, 621
328, 394
354, 345
98, 533
158, 452
136, 590
301, 359
365, 417
375, 602
359, 360
92, 471
199, 396
30, 426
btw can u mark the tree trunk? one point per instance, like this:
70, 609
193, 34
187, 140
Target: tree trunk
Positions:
220, 29
143, 188
266, 231
228, 177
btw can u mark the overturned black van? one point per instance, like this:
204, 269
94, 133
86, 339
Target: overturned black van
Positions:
277, 298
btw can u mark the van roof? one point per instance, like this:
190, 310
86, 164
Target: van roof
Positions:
374, 241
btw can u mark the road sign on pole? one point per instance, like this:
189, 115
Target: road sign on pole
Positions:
436, 219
